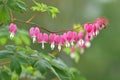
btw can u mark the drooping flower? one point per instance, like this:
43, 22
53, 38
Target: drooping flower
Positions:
34, 32
12, 30
42, 38
72, 37
59, 40
80, 41
72, 54
67, 44
52, 40
95, 31
102, 22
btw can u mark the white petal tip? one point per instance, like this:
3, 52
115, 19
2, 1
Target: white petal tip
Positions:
72, 55
88, 44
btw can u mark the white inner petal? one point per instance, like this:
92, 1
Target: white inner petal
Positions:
43, 45
59, 48
82, 50
87, 44
34, 39
97, 32
72, 43
81, 42
72, 55
52, 46
11, 35
67, 44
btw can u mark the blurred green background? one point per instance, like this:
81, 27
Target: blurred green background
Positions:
102, 60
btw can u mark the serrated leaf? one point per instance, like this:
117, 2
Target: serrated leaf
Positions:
10, 47
4, 15
15, 65
59, 64
4, 76
21, 5
1, 2
54, 71
5, 53
42, 65
3, 41
53, 11
17, 40
25, 39
16, 5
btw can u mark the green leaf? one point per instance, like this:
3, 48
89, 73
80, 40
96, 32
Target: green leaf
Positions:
25, 39
4, 76
3, 41
21, 5
77, 57
15, 65
59, 64
10, 47
16, 5
39, 7
54, 71
4, 15
42, 65
53, 11
17, 40
5, 53
67, 50
1, 2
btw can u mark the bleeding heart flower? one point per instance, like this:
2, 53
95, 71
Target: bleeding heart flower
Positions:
12, 30
42, 38
34, 32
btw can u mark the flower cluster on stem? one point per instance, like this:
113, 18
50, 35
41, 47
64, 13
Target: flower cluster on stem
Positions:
69, 39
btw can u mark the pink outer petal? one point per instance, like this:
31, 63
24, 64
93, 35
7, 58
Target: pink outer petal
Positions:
36, 31
32, 31
39, 37
75, 37
80, 35
57, 39
52, 38
87, 37
45, 37
69, 35
13, 28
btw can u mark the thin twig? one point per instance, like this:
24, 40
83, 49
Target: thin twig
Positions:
11, 15
31, 23
30, 19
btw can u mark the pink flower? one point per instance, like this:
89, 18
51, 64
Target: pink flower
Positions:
67, 44
102, 22
95, 31
59, 40
52, 40
34, 32
12, 30
72, 54
42, 38
72, 37
88, 28
80, 41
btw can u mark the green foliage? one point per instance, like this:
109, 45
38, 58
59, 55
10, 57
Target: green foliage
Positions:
43, 8
21, 56
16, 5
20, 61
4, 14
